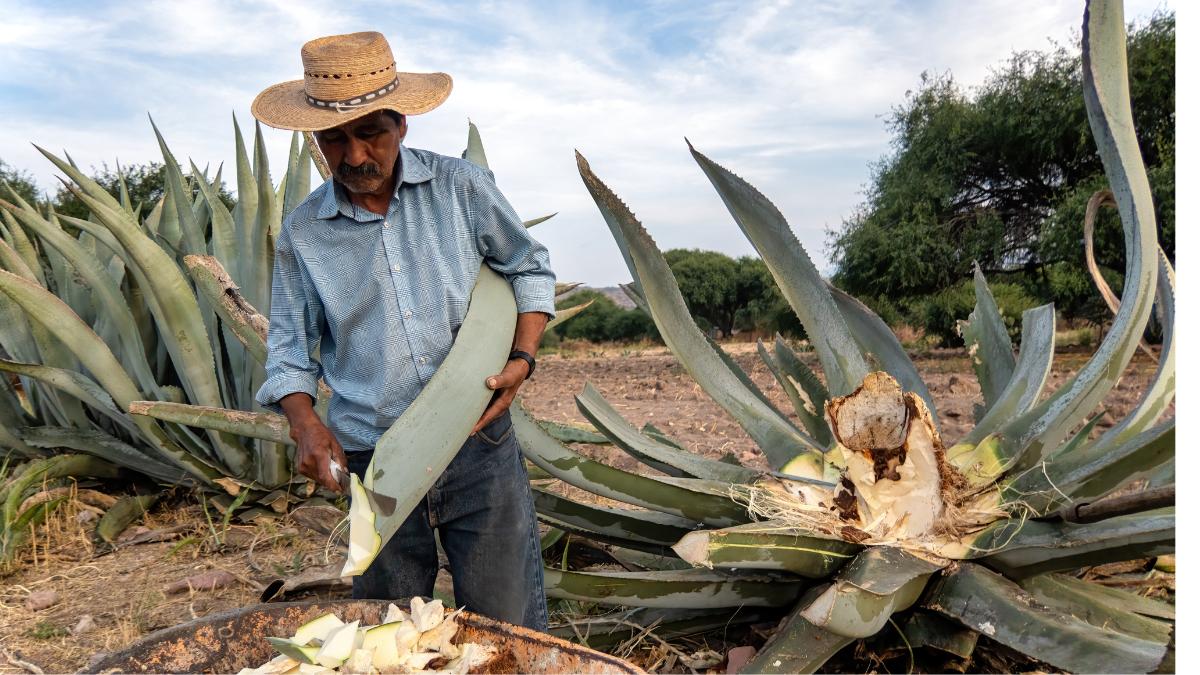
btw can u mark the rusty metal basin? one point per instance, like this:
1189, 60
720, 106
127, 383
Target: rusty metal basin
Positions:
230, 641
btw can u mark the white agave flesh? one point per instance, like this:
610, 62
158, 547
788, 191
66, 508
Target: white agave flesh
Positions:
381, 640
365, 541
471, 655
315, 669
317, 629
407, 636
426, 615
359, 663
893, 457
276, 666
419, 660
394, 614
339, 645
439, 637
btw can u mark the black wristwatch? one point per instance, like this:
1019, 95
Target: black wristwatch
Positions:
526, 357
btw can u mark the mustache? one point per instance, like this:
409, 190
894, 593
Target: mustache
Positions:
368, 170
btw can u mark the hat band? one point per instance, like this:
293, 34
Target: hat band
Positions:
350, 104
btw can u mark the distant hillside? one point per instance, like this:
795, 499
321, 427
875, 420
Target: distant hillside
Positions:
614, 293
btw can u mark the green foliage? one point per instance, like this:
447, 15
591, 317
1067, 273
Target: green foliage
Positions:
604, 320
728, 294
941, 312
144, 182
21, 181
1001, 175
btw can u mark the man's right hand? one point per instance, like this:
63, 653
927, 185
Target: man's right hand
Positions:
316, 445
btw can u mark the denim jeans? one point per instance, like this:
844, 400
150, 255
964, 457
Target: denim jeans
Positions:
482, 509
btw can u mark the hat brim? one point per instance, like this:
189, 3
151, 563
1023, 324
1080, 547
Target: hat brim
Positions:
284, 106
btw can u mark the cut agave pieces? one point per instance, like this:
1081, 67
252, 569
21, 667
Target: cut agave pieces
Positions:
365, 541
339, 645
319, 628
295, 650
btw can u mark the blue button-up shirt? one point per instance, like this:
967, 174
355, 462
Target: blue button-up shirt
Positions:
384, 296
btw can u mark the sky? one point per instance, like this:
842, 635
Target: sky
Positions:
792, 96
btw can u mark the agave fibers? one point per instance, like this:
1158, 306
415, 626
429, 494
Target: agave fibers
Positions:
866, 513
137, 342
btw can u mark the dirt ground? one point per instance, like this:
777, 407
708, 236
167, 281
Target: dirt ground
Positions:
125, 592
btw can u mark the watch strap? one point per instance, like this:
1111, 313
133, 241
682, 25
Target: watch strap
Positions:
526, 357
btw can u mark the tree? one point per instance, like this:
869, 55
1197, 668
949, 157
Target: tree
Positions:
604, 321
1000, 175
18, 180
144, 182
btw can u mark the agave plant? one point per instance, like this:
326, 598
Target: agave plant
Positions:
134, 334
866, 514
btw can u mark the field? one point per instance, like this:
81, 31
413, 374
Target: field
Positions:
125, 592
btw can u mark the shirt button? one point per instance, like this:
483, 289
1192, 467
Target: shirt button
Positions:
395, 268
408, 313
421, 360
386, 224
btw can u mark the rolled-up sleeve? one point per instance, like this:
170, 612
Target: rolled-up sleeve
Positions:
506, 245
297, 320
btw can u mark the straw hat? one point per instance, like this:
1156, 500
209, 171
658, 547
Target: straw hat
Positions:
346, 77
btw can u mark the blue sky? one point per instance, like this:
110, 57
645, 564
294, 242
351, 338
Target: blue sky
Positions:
790, 95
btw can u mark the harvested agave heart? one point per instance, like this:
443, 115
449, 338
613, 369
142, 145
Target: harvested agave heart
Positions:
417, 640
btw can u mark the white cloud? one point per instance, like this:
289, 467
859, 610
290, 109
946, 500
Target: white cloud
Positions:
787, 94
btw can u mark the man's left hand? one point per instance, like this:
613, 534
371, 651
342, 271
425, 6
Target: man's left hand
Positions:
505, 384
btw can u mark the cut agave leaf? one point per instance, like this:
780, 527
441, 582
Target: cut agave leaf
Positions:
339, 644
265, 425
656, 530
294, 650
571, 433
1099, 610
798, 646
687, 589
766, 545
418, 447
877, 583
317, 629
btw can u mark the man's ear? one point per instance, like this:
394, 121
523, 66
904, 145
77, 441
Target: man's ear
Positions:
403, 130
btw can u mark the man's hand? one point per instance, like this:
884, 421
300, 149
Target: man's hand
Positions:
505, 384
315, 443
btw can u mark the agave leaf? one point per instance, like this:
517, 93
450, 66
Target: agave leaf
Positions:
1037, 547
794, 272
243, 216
299, 175
561, 315
797, 645
570, 433
1113, 597
1098, 609
747, 382
269, 216
635, 560
1024, 383
123, 514
266, 426
926, 629
76, 384
813, 421
181, 198
417, 448
767, 545
1098, 199
628, 527
1088, 475
104, 446
657, 434
987, 341
474, 152
104, 289
691, 589
550, 538
246, 323
96, 357
649, 451
777, 437
794, 367
607, 633
692, 502
530, 223
22, 245
176, 310
879, 582
1031, 437
998, 608
634, 293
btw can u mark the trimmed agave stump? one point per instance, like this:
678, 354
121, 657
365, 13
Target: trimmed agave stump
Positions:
230, 641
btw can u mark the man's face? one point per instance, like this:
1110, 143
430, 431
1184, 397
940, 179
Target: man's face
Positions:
363, 153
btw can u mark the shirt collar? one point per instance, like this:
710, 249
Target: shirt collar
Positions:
412, 171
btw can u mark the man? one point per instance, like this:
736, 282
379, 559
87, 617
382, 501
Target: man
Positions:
377, 266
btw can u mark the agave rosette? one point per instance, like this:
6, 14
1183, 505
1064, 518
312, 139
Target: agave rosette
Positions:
868, 514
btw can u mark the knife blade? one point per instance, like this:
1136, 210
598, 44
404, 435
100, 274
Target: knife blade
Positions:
380, 503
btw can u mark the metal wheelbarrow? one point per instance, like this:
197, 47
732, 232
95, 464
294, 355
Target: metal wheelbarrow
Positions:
230, 641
